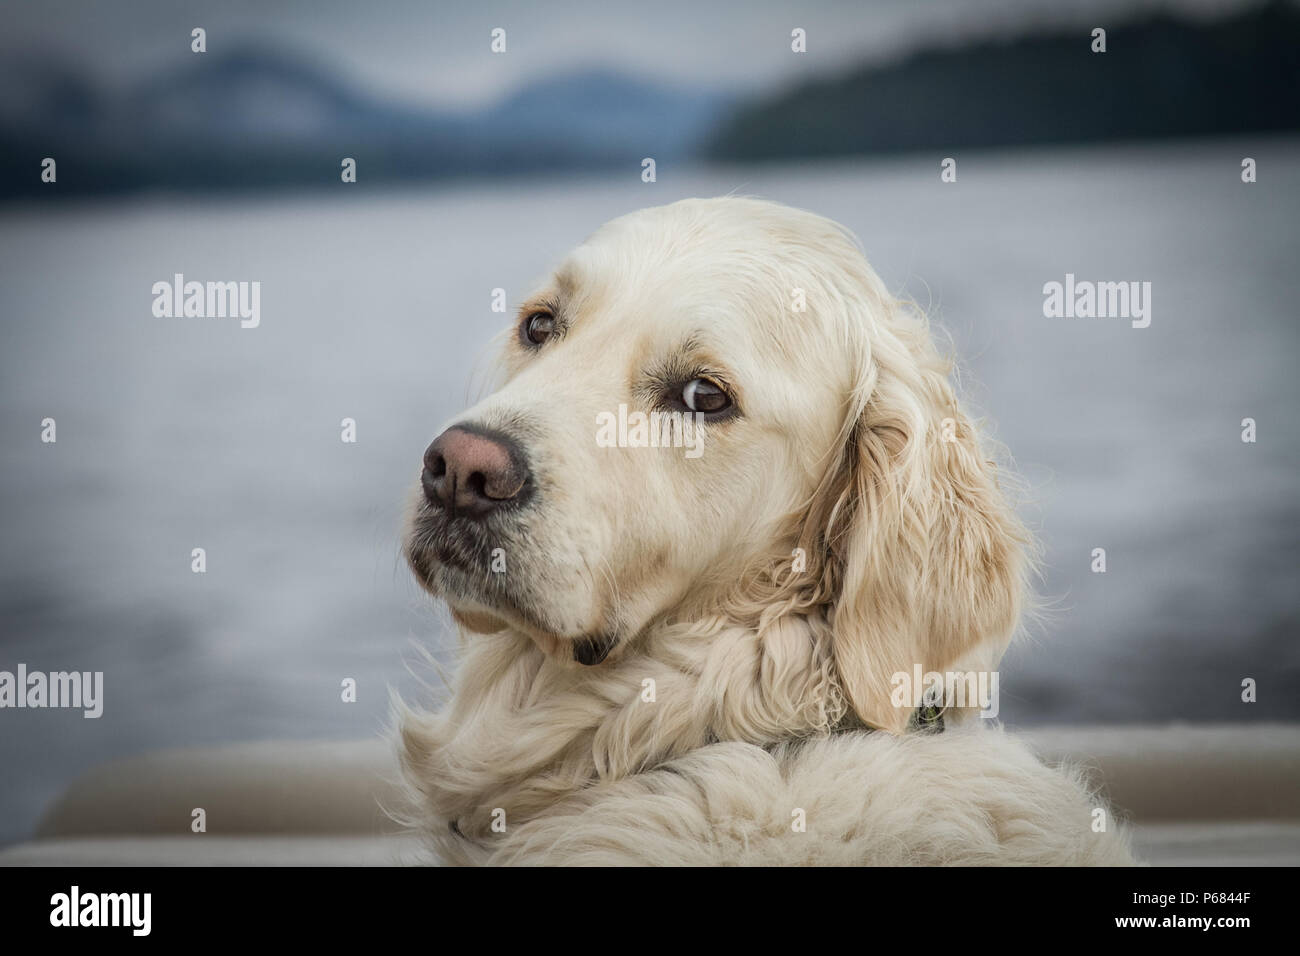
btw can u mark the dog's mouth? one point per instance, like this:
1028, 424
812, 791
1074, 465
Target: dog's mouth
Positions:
436, 540
453, 559
593, 650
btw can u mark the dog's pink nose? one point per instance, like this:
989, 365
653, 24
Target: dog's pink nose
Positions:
472, 472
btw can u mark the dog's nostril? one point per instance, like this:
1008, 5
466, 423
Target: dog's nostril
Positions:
435, 462
476, 483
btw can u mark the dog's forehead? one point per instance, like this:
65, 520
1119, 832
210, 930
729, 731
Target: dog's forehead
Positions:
694, 280
678, 306
632, 261
672, 238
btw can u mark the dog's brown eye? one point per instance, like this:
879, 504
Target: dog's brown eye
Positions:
538, 327
702, 395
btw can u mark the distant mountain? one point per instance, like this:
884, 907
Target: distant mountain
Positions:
609, 107
260, 117
1158, 78
253, 94
263, 117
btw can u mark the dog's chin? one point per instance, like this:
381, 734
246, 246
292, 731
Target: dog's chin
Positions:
481, 613
451, 563
587, 649
479, 622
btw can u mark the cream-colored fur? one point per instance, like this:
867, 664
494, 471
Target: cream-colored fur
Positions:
844, 526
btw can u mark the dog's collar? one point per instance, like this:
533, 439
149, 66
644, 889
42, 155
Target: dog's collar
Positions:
923, 720
926, 720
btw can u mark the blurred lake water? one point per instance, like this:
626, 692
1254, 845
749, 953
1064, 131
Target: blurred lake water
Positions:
182, 433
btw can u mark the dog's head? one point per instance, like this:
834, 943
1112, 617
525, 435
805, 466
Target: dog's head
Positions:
716, 403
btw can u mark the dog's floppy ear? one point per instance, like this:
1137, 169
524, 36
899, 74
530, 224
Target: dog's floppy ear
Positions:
926, 558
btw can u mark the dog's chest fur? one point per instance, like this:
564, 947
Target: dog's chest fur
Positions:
717, 747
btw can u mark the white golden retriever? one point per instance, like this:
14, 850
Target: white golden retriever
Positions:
688, 654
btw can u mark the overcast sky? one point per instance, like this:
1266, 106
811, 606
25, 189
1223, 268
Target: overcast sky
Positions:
433, 52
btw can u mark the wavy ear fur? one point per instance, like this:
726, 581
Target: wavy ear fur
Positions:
927, 559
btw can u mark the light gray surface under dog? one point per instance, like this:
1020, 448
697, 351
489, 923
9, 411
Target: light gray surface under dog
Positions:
1208, 795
